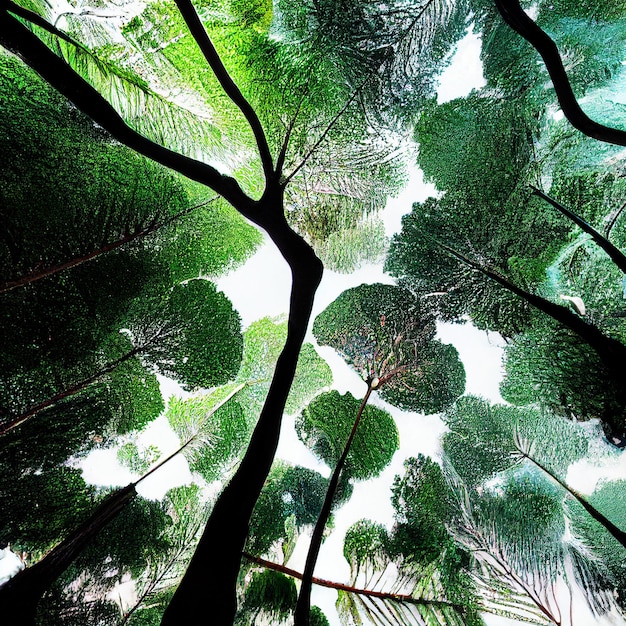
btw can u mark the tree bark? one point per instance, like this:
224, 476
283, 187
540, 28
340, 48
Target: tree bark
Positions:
206, 594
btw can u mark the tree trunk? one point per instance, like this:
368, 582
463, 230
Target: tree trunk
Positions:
303, 607
207, 594
20, 596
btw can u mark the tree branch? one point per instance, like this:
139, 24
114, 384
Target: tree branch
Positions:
617, 256
18, 39
395, 597
205, 44
32, 277
514, 16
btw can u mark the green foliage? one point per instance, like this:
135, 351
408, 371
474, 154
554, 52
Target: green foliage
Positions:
195, 337
215, 433
270, 593
550, 366
324, 427
138, 460
385, 333
366, 546
263, 341
609, 498
291, 496
42, 508
484, 439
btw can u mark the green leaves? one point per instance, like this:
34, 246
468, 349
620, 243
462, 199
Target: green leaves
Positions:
385, 333
324, 427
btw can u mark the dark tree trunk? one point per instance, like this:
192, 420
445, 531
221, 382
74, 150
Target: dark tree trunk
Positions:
303, 607
206, 594
516, 18
20, 596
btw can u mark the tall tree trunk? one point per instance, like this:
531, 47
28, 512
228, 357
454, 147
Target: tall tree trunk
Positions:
303, 607
206, 594
20, 596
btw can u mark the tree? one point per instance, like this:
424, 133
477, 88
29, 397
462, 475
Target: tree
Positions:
510, 485
385, 333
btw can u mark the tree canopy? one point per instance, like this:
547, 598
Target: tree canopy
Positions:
143, 150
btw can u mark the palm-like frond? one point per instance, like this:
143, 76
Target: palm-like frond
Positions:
133, 80
525, 568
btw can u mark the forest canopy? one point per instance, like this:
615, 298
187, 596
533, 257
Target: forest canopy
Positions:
147, 150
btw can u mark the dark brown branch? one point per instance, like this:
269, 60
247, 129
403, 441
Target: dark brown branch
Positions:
617, 256
227, 83
383, 595
75, 389
514, 16
18, 39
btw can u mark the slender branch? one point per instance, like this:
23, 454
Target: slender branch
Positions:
303, 607
32, 277
617, 256
321, 582
18, 39
617, 533
205, 44
219, 405
516, 18
327, 130
20, 419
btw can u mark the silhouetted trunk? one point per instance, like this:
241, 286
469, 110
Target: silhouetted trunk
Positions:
206, 594
20, 596
617, 256
516, 18
303, 607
